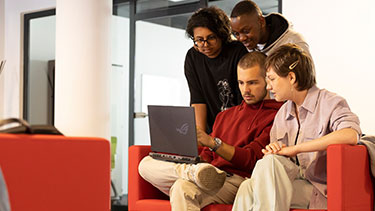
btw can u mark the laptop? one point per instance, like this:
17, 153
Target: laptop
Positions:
173, 134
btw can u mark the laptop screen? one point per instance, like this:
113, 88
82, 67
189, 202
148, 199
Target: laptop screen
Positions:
173, 130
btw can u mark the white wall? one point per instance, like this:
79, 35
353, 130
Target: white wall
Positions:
12, 74
341, 38
83, 64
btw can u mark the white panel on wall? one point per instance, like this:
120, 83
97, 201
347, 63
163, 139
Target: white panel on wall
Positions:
341, 38
162, 56
161, 90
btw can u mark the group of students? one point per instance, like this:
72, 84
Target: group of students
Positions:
261, 153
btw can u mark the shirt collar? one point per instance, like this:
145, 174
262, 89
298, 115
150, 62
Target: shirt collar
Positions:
290, 112
311, 99
309, 103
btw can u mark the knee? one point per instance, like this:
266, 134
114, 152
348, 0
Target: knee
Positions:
143, 166
188, 189
263, 165
267, 159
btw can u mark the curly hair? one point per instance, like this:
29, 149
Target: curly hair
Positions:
212, 18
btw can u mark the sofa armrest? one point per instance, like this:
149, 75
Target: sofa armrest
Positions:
139, 188
52, 172
349, 184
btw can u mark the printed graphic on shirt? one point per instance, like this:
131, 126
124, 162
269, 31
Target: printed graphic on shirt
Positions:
225, 94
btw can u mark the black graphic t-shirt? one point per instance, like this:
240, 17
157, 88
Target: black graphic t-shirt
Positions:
214, 81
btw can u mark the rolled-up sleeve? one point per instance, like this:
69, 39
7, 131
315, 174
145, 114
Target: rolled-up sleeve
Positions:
342, 117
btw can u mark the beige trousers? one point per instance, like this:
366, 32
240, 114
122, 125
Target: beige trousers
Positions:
276, 184
184, 194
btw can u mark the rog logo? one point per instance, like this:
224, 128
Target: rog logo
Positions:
183, 129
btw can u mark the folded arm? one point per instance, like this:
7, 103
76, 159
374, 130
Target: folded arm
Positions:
343, 136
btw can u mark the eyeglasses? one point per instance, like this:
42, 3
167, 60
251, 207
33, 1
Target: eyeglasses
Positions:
211, 40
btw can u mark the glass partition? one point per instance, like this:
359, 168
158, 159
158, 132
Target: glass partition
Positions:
120, 102
39, 80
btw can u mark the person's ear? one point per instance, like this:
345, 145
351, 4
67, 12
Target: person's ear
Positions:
262, 21
292, 78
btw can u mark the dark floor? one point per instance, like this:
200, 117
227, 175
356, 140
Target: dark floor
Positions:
120, 204
119, 208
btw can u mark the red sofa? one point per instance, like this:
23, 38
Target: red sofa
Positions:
350, 187
50, 172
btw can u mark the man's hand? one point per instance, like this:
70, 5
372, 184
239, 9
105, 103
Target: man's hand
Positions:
204, 139
225, 151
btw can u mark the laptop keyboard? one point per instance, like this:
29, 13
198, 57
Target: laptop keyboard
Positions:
174, 158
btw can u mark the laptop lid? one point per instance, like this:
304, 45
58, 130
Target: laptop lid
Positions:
172, 130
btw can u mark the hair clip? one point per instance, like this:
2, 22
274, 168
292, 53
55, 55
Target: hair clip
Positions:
293, 65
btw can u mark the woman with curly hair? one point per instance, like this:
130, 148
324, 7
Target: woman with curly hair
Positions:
211, 65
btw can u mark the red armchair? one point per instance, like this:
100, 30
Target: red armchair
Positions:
348, 178
50, 172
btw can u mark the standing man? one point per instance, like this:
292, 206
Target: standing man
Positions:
263, 33
211, 65
231, 150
